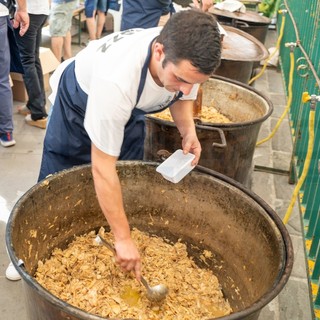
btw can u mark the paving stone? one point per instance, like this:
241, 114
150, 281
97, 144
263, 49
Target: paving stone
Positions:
294, 302
282, 160
270, 311
281, 140
283, 190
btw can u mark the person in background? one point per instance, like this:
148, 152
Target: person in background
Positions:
93, 9
151, 13
100, 98
21, 19
145, 13
29, 47
60, 22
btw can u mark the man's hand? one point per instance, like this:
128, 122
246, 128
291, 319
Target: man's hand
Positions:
182, 114
190, 143
21, 18
204, 5
128, 257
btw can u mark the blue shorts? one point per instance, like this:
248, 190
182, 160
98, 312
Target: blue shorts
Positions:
92, 5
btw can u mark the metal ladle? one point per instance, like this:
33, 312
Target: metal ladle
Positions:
154, 294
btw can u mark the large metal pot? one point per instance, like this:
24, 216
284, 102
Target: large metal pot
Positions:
245, 106
240, 51
252, 250
249, 21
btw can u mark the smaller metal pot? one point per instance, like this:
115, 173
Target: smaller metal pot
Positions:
240, 51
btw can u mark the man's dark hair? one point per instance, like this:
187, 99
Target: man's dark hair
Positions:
192, 35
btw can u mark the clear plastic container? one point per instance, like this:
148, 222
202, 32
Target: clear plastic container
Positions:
177, 166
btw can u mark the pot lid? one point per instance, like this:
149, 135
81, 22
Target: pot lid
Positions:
248, 16
238, 45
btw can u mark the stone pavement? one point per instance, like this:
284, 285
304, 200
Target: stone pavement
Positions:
19, 170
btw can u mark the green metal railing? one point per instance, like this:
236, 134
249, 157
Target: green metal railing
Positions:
302, 27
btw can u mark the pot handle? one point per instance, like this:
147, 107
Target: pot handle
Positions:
238, 23
223, 143
164, 154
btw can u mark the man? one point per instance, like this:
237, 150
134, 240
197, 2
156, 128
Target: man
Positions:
29, 48
21, 19
61, 13
101, 97
95, 11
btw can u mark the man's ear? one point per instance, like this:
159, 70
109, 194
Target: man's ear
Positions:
158, 51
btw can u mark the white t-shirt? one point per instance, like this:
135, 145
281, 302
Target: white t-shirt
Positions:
34, 7
109, 71
3, 10
38, 6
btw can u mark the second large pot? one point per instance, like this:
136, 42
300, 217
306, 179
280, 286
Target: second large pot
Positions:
246, 107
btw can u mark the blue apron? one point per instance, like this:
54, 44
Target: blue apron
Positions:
67, 143
144, 13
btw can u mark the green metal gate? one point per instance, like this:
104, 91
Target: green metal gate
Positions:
302, 31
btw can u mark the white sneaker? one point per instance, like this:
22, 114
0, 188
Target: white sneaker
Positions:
11, 273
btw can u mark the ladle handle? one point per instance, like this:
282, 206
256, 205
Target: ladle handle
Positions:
108, 245
145, 283
112, 249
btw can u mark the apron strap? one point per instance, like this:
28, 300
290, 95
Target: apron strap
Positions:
142, 82
144, 72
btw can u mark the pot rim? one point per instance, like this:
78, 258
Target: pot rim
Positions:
226, 125
256, 307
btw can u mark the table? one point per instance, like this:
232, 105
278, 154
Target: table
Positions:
79, 16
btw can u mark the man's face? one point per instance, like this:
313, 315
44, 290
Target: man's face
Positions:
180, 77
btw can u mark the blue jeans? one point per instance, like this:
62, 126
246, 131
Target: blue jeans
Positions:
29, 46
6, 122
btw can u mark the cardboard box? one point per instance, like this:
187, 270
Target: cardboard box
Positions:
48, 63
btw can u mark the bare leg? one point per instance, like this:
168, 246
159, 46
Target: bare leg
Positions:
101, 19
91, 25
67, 52
56, 46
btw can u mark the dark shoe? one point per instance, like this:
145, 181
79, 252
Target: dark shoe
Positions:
40, 123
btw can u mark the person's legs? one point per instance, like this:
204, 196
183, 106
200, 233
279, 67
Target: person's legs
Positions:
67, 49
90, 12
91, 26
33, 78
60, 25
101, 19
56, 46
57, 16
38, 62
102, 8
6, 119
